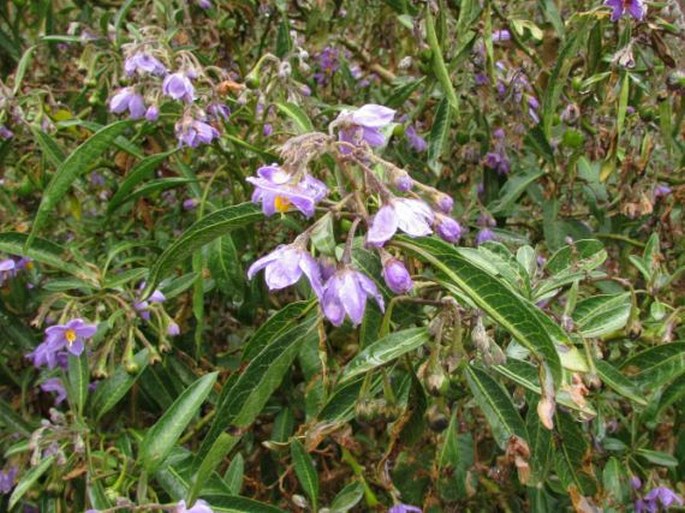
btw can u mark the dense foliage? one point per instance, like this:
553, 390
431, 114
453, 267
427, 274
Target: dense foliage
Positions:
342, 256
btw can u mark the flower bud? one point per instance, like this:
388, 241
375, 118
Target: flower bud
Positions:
396, 276
447, 228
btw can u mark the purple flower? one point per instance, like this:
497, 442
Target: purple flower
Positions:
267, 129
364, 124
193, 132
345, 294
414, 217
190, 203
173, 329
404, 508
278, 190
179, 87
152, 113
661, 191
5, 133
396, 276
71, 336
447, 228
480, 79
200, 506
55, 385
143, 307
7, 478
665, 495
8, 269
635, 8
329, 62
498, 133
499, 36
204, 4
498, 161
143, 63
127, 99
484, 235
417, 142
219, 111
285, 266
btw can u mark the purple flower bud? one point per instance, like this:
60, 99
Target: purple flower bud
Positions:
402, 181
635, 482
305, 90
152, 113
219, 111
204, 4
173, 329
128, 100
8, 269
157, 297
190, 203
417, 142
484, 235
345, 294
200, 506
396, 276
480, 79
486, 219
499, 36
533, 103
7, 479
447, 228
498, 133
5, 133
661, 191
404, 508
267, 130
444, 203
179, 87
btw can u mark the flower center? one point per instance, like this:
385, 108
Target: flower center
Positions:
70, 335
282, 204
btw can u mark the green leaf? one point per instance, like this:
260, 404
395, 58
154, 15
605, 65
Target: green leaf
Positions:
111, 390
347, 498
79, 379
401, 93
518, 316
116, 280
512, 190
204, 231
600, 315
298, 116
141, 171
235, 473
497, 406
52, 151
454, 460
673, 393
11, 419
76, 164
43, 251
385, 350
439, 134
656, 366
226, 268
163, 435
21, 68
439, 67
541, 447
29, 479
571, 456
659, 458
305, 471
613, 378
235, 504
535, 139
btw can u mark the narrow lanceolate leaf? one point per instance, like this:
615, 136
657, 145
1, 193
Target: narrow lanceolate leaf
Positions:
439, 67
571, 456
517, 315
298, 116
235, 504
613, 378
51, 150
141, 171
305, 471
497, 406
110, 391
42, 251
657, 365
204, 231
244, 397
78, 163
234, 474
162, 437
347, 498
439, 134
673, 393
385, 350
226, 268
29, 479
79, 379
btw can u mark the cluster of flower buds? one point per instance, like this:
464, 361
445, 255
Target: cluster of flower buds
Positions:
152, 305
151, 81
402, 204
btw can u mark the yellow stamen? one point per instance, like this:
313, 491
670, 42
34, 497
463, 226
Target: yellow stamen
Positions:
282, 204
70, 335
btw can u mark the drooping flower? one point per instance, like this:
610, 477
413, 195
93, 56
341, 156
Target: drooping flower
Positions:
173, 329
179, 87
152, 113
484, 235
143, 62
635, 8
396, 276
200, 506
267, 129
416, 142
285, 266
661, 191
143, 307
499, 36
5, 133
8, 269
204, 4
71, 336
219, 111
55, 385
345, 293
498, 161
414, 217
664, 495
127, 99
328, 62
193, 132
7, 478
278, 191
363, 125
404, 508
447, 228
